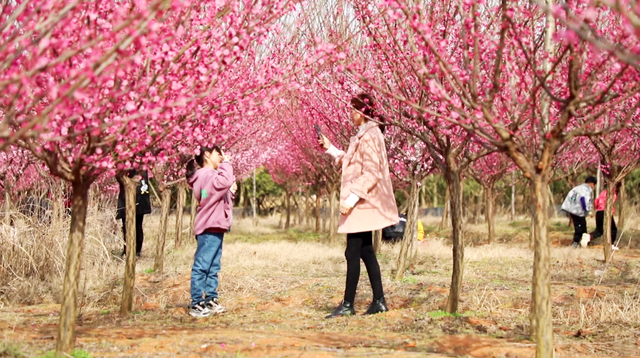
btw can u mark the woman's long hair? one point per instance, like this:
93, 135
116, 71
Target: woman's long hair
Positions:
198, 160
364, 103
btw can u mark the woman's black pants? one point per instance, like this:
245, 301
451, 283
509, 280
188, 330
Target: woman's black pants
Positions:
360, 246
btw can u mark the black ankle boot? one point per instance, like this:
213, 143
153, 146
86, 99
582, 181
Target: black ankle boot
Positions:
345, 309
377, 306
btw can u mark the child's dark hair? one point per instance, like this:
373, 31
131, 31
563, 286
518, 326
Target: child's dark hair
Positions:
364, 103
198, 160
591, 180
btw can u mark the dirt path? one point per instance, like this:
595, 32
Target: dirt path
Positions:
152, 341
281, 315
146, 335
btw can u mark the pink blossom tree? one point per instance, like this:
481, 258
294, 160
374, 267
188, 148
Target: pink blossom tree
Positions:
610, 26
307, 157
487, 171
502, 72
620, 153
135, 78
410, 163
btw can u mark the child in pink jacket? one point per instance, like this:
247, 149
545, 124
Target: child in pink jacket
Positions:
600, 206
214, 188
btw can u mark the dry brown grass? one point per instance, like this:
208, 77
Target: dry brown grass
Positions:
287, 280
33, 257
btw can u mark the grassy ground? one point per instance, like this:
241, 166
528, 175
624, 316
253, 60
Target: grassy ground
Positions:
278, 285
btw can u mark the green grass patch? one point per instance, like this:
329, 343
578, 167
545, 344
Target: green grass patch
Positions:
520, 224
149, 270
443, 314
410, 280
560, 226
78, 353
10, 351
430, 229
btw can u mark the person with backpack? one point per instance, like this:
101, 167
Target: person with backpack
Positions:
214, 187
579, 204
143, 207
367, 202
395, 233
600, 206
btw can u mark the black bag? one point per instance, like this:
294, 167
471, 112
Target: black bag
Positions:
395, 232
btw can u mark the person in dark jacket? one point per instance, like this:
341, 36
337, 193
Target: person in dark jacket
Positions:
143, 207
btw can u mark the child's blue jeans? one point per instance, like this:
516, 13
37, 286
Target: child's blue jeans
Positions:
206, 265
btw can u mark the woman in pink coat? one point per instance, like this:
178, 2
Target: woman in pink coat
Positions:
367, 202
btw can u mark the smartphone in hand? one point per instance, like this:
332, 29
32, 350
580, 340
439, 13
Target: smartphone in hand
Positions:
318, 132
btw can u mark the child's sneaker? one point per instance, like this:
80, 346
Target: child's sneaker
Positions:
585, 240
214, 307
199, 310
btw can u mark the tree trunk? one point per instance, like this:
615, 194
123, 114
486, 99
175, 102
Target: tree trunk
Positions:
299, 207
608, 215
513, 198
180, 202
553, 203
165, 203
308, 208
246, 201
489, 214
333, 222
622, 203
455, 201
377, 241
532, 228
445, 211
240, 196
317, 212
68, 308
541, 316
324, 218
192, 214
253, 201
56, 201
476, 208
7, 204
435, 192
410, 232
287, 196
130, 185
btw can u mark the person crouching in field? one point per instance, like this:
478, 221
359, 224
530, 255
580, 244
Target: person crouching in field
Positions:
367, 202
600, 205
578, 204
214, 188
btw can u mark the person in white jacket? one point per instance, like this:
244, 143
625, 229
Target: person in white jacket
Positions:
578, 204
